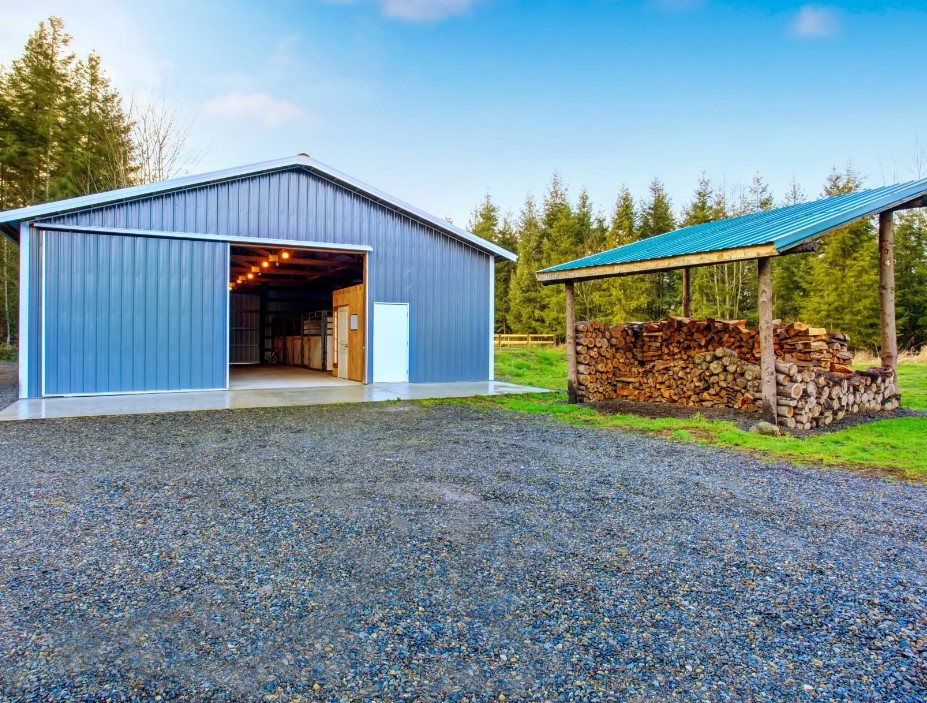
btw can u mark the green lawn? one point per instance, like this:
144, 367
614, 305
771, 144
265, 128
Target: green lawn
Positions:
7, 353
541, 368
898, 446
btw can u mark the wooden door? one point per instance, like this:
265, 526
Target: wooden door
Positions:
343, 337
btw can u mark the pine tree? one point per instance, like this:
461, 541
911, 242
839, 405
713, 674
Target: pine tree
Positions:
39, 95
656, 217
703, 207
525, 294
484, 222
63, 133
623, 228
101, 149
622, 299
711, 289
911, 278
560, 242
591, 236
790, 272
843, 283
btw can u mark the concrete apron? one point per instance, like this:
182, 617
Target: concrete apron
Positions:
189, 401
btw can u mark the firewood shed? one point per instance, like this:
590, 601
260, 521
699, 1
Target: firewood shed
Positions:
760, 236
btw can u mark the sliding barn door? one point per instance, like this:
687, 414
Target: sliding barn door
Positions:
128, 314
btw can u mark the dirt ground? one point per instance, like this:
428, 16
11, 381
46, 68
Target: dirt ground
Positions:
742, 419
9, 383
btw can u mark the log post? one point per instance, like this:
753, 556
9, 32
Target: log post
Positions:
686, 292
887, 291
767, 350
571, 341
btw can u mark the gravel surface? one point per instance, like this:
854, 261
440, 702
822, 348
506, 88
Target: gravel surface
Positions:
402, 552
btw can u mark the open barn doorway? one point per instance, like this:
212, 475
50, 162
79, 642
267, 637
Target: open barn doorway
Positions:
284, 305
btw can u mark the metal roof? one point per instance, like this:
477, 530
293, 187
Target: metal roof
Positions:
11, 219
764, 233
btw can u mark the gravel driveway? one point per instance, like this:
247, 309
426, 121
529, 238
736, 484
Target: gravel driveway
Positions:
401, 552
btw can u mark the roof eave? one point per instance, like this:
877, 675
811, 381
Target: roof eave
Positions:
670, 263
807, 234
89, 202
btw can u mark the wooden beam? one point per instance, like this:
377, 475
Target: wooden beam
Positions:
767, 350
887, 291
572, 376
665, 264
687, 292
803, 248
912, 204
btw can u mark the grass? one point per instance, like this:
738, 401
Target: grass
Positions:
541, 368
895, 447
8, 353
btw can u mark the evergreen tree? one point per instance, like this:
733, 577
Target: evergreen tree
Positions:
525, 294
101, 146
656, 217
591, 236
843, 283
623, 228
790, 272
911, 278
63, 133
622, 299
703, 207
9, 290
485, 223
559, 237
40, 93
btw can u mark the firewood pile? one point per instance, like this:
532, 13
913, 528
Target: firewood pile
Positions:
715, 363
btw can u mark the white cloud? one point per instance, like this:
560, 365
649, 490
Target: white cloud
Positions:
814, 21
260, 107
418, 10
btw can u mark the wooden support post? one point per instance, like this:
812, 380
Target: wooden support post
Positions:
887, 291
571, 341
686, 292
767, 350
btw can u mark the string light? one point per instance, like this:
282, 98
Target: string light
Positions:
284, 255
250, 276
265, 264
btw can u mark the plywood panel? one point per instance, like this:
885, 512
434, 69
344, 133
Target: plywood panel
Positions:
355, 298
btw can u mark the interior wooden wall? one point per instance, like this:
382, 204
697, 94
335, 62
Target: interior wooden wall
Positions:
355, 298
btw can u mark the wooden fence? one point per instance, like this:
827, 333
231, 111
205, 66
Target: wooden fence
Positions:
507, 341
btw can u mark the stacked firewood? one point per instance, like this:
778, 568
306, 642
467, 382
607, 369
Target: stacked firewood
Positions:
715, 363
808, 398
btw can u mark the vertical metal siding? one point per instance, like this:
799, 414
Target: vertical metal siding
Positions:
445, 281
130, 314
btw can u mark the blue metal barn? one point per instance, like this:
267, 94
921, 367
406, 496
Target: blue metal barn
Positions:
149, 288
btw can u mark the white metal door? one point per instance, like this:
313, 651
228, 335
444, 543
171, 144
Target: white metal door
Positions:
390, 342
342, 330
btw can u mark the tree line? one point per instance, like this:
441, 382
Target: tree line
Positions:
835, 287
65, 131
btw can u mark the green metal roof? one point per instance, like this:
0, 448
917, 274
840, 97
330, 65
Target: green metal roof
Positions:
783, 228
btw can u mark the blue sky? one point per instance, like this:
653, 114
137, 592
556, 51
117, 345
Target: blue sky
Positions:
440, 101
